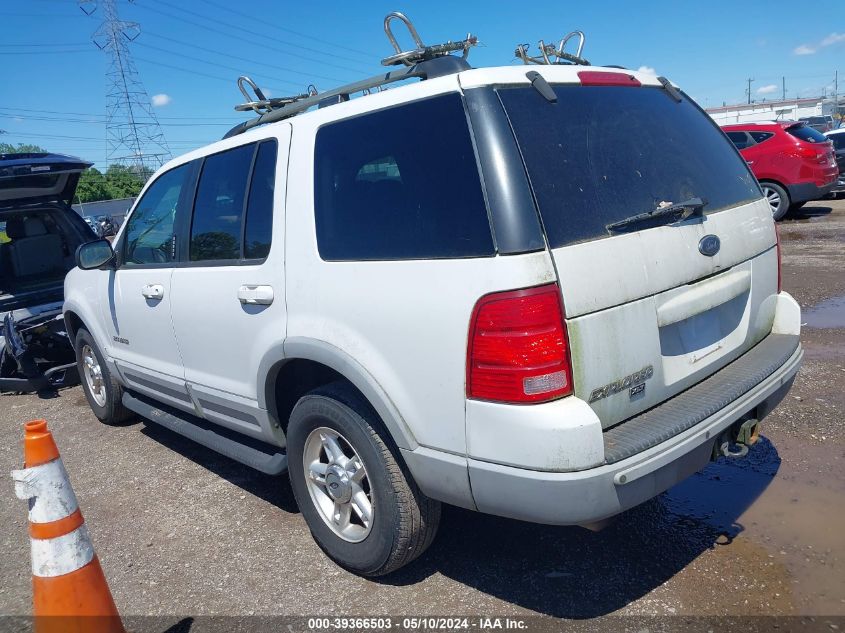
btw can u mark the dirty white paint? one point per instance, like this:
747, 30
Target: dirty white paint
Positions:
48, 490
61, 555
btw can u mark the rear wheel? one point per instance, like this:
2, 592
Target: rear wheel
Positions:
102, 391
778, 199
361, 504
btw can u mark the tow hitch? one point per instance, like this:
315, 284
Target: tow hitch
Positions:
735, 441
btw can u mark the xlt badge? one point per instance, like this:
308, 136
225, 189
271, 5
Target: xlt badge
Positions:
634, 381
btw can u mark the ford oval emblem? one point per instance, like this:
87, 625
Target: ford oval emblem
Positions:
709, 245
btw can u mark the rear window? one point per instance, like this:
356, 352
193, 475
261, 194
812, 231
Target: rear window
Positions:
400, 183
806, 133
602, 154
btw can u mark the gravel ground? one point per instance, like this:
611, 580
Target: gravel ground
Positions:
182, 531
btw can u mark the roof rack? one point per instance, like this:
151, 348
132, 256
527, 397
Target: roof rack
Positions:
549, 54
423, 62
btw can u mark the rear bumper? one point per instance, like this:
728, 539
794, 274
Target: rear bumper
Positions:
807, 191
595, 494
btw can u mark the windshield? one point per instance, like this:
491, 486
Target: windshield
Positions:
602, 154
806, 133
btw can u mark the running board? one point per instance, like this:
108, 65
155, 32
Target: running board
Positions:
244, 450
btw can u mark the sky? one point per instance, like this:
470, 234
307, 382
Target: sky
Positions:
189, 53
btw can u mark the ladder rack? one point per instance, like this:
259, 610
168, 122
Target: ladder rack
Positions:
422, 62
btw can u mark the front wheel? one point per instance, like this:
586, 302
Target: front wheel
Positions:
778, 199
102, 391
361, 504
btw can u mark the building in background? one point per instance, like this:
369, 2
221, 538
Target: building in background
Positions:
782, 110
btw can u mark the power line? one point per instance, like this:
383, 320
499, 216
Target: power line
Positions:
218, 65
228, 33
102, 121
94, 114
287, 30
271, 38
228, 80
246, 59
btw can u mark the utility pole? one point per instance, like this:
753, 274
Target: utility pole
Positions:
783, 84
133, 134
748, 90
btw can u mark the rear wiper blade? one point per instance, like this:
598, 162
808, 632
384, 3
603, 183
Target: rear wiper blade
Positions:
676, 213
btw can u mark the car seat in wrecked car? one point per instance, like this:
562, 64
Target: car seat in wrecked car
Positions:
33, 250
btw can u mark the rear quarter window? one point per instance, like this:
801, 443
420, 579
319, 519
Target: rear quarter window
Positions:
807, 134
400, 183
601, 154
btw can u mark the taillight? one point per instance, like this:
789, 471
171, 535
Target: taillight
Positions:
777, 249
810, 152
517, 348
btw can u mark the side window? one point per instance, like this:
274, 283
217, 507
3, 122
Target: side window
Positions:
740, 139
150, 235
759, 137
400, 183
219, 205
259, 210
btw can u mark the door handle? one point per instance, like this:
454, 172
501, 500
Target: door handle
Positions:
153, 291
255, 295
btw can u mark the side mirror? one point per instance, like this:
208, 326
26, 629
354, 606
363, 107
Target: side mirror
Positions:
94, 255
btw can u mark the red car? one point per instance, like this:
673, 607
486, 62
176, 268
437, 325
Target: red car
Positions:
793, 162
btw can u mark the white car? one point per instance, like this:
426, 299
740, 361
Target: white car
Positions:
837, 137
486, 288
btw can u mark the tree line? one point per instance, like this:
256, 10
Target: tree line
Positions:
118, 181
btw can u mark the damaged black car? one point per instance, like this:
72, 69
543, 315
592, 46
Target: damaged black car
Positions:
39, 235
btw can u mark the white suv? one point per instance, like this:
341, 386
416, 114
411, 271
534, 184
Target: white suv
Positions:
546, 294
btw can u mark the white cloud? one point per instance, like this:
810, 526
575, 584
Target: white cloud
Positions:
648, 70
767, 90
833, 38
160, 100
810, 49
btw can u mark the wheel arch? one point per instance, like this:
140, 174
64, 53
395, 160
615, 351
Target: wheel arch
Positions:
300, 364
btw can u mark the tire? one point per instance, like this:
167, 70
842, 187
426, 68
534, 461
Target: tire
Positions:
94, 374
403, 521
774, 192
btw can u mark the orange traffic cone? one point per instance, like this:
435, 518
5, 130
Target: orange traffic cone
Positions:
69, 589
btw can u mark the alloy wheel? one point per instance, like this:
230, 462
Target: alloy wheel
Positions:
93, 376
338, 484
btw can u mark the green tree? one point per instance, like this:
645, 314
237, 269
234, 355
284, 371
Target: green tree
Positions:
123, 181
92, 186
22, 148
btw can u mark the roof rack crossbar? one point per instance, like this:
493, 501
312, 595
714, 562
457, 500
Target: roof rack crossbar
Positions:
342, 93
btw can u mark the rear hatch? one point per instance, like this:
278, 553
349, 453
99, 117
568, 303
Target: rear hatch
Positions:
39, 232
655, 305
38, 177
817, 153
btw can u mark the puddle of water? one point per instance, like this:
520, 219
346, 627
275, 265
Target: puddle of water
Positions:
793, 509
827, 314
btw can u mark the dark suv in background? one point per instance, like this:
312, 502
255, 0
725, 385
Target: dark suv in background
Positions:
793, 162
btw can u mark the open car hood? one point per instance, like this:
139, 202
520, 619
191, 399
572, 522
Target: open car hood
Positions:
38, 178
